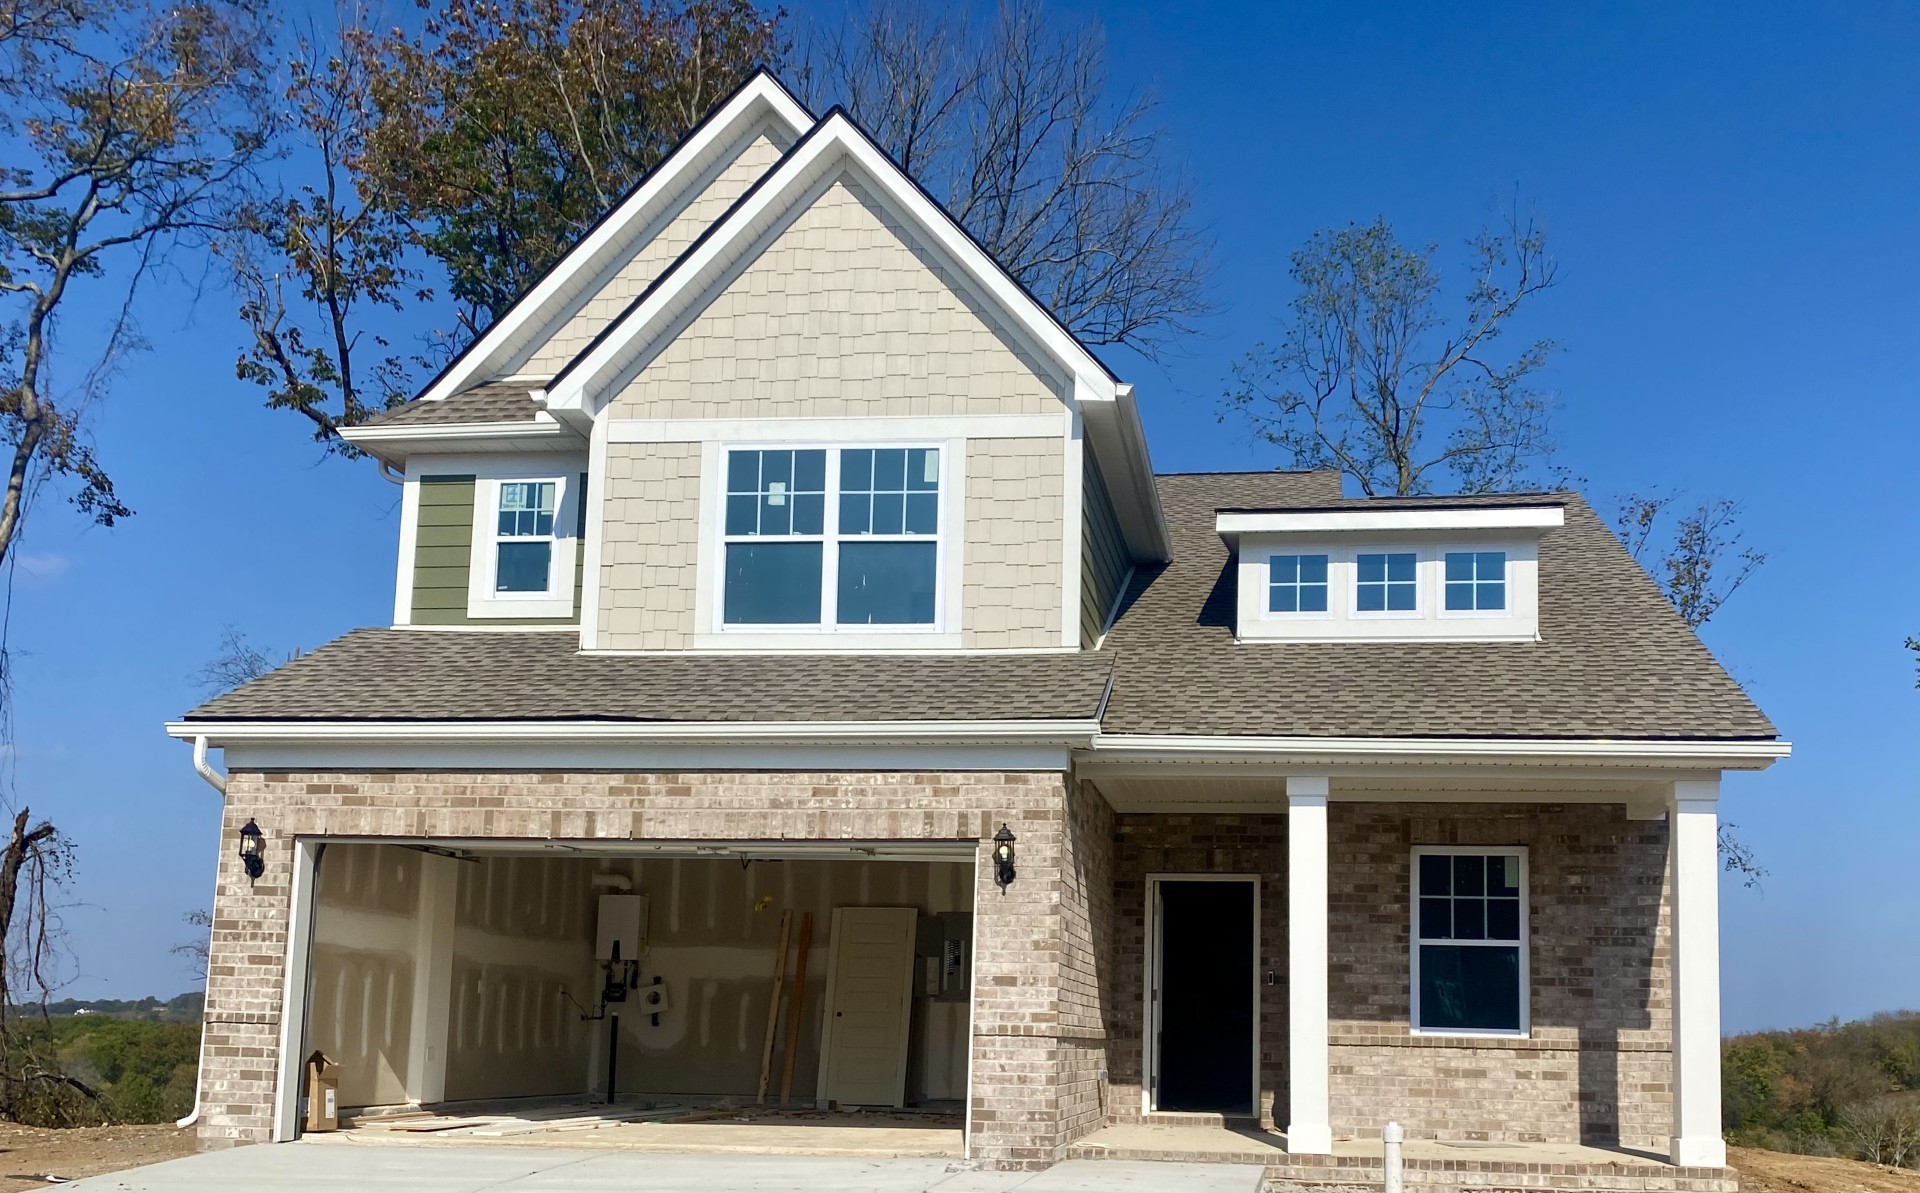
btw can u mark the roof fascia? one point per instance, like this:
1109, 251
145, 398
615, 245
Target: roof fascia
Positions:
836, 139
1610, 753
1065, 732
757, 101
1120, 446
395, 443
1502, 517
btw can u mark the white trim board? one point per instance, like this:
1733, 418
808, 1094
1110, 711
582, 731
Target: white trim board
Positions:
1507, 517
840, 431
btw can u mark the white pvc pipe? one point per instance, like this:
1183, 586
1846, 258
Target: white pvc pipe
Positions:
1391, 1137
219, 783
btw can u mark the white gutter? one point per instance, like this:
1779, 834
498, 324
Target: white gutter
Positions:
219, 783
1062, 732
1697, 752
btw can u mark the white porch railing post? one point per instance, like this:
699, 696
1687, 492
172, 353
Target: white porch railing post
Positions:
1309, 1129
1392, 1178
1694, 842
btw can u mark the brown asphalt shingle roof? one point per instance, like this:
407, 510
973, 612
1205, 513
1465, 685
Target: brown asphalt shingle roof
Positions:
495, 402
1614, 661
427, 675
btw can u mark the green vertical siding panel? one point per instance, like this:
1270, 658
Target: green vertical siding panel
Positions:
1104, 560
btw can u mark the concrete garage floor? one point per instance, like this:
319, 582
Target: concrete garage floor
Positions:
331, 1168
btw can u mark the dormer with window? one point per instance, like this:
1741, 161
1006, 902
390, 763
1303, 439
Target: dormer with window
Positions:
1362, 572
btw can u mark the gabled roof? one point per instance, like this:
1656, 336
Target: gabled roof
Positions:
756, 103
833, 145
498, 402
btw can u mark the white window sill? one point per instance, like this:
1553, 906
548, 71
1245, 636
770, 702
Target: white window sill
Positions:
1433, 1033
520, 606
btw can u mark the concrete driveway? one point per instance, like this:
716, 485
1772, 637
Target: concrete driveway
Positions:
330, 1168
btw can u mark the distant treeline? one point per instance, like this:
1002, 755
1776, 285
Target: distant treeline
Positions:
1846, 1089
181, 1008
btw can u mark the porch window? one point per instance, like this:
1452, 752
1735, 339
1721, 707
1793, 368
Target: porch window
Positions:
1469, 941
832, 537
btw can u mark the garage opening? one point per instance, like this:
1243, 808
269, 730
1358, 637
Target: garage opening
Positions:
653, 996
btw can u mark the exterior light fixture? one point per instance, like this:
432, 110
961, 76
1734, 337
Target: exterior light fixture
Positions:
253, 850
1003, 858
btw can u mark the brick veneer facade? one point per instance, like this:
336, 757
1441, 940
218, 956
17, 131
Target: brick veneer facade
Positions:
1060, 955
1597, 1066
1038, 1047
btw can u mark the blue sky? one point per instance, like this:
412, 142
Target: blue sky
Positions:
1733, 193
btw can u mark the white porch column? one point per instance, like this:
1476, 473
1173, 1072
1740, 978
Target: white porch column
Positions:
1309, 1129
432, 978
1694, 839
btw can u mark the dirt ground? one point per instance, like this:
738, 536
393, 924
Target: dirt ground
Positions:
29, 1155
1778, 1172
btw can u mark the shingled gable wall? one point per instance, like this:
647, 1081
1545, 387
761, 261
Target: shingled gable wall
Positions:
1038, 1050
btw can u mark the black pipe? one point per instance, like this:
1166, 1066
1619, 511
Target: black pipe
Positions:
613, 1051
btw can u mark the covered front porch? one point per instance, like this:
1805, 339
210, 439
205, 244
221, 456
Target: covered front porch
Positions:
1265, 986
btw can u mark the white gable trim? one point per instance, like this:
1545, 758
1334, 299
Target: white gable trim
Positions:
835, 144
759, 103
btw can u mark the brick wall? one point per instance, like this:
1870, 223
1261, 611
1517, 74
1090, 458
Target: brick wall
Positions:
1034, 1042
1597, 1066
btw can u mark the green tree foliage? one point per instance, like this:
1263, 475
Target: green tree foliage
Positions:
1848, 1089
107, 1069
1371, 378
506, 127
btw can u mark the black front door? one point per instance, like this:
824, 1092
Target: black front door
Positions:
1206, 997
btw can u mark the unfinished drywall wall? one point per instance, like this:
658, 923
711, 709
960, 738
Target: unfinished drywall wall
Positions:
714, 935
523, 943
365, 900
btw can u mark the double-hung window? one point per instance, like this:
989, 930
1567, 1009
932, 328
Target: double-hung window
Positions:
1470, 940
1476, 581
869, 556
1386, 582
1297, 584
524, 538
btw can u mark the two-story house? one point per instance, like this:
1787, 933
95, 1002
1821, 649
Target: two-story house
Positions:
778, 567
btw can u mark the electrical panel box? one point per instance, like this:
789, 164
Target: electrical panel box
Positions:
943, 949
623, 928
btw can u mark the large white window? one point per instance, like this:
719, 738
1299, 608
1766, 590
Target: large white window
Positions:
868, 558
1469, 962
526, 538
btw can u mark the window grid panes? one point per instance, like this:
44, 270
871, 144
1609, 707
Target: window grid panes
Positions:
867, 557
523, 551
1297, 584
1476, 580
1469, 919
1386, 582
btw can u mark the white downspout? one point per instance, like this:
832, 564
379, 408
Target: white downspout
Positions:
218, 782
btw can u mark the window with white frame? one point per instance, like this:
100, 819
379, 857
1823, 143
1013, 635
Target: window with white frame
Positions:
1470, 940
1386, 582
524, 538
1476, 581
868, 558
1297, 584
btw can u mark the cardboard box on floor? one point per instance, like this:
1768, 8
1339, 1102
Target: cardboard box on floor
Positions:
323, 1093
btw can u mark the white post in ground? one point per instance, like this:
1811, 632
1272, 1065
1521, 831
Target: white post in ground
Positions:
432, 978
1309, 1129
1694, 842
1392, 1177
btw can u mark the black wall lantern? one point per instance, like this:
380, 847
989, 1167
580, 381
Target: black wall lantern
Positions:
253, 850
1003, 858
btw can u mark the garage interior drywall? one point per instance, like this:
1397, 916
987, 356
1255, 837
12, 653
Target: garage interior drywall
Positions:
514, 957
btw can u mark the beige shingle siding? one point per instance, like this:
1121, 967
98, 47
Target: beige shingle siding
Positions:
843, 314
1104, 561
1012, 578
650, 546
651, 259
